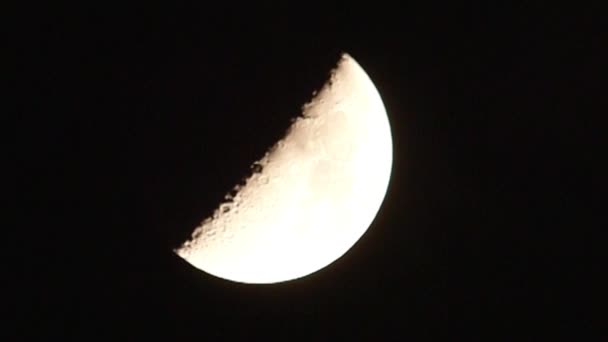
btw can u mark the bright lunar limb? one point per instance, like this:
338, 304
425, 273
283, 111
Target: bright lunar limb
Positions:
311, 197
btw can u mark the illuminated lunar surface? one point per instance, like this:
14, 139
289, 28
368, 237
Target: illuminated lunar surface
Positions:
313, 195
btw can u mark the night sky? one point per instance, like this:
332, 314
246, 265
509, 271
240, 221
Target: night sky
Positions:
133, 123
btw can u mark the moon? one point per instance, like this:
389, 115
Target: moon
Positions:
311, 197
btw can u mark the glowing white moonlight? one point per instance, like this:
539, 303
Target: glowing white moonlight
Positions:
316, 193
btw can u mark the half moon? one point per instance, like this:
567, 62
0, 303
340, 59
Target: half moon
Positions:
313, 194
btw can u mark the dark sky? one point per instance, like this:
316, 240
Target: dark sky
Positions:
132, 124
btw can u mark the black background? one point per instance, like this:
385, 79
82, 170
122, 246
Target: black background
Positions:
132, 124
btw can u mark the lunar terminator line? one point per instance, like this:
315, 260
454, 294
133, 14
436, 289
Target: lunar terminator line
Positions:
313, 195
